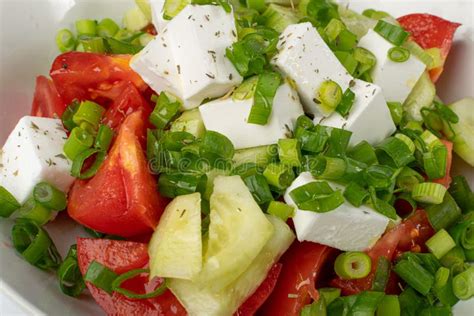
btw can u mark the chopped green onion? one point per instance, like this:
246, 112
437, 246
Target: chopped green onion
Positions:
462, 194
392, 33
117, 285
389, 306
122, 47
79, 140
35, 245
217, 149
258, 5
329, 95
258, 186
436, 311
167, 107
329, 294
100, 276
382, 274
445, 214
338, 142
313, 140
376, 15
408, 178
67, 117
407, 140
429, 192
281, 210
104, 138
289, 152
381, 206
69, 275
363, 152
65, 40
435, 162
246, 90
89, 112
463, 233
345, 41
365, 57
174, 184
35, 212
279, 175
463, 284
352, 265
440, 244
265, 90
394, 151
414, 275
396, 111
49, 196
398, 54
443, 287
355, 194
86, 27
346, 103
92, 45
353, 170
79, 160
328, 168
347, 60
317, 197
303, 123
411, 301
333, 29
107, 28
379, 176
8, 203
317, 308
441, 277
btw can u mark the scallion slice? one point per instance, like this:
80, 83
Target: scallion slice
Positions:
395, 152
281, 210
463, 284
445, 214
389, 306
462, 194
382, 274
415, 275
429, 192
8, 203
338, 142
79, 160
67, 117
49, 196
258, 186
329, 95
100, 276
396, 111
333, 29
216, 149
69, 275
440, 244
265, 90
347, 60
379, 176
174, 184
88, 112
363, 152
313, 140
289, 152
317, 197
117, 285
65, 40
352, 265
107, 28
392, 33
355, 194
328, 168
381, 206
35, 212
167, 107
79, 140
398, 54
104, 138
408, 178
279, 175
86, 27
346, 103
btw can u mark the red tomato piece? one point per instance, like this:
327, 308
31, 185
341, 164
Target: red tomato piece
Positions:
430, 31
256, 300
302, 268
77, 75
122, 198
47, 102
410, 235
446, 180
121, 257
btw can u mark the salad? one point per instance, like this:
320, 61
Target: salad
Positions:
248, 158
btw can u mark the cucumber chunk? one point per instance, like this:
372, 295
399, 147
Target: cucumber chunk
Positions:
237, 233
199, 299
176, 247
135, 20
261, 156
144, 5
464, 130
421, 96
189, 121
278, 17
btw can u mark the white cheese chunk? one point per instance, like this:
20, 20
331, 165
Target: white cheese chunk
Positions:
396, 79
188, 57
369, 118
347, 227
305, 58
157, 15
33, 153
229, 117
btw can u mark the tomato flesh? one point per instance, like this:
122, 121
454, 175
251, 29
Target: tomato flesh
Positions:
47, 102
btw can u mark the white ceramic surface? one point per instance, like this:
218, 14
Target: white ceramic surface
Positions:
27, 29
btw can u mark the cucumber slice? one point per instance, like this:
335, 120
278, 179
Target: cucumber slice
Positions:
211, 176
355, 22
135, 20
171, 8
261, 156
278, 17
144, 5
191, 122
176, 247
199, 299
463, 138
236, 219
285, 3
421, 96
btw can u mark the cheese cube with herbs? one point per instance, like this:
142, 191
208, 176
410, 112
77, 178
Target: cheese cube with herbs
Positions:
304, 57
347, 227
229, 117
34, 153
369, 118
188, 57
396, 79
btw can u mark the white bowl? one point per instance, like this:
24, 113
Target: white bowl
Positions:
27, 48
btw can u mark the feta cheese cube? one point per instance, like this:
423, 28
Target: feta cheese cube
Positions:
305, 58
188, 57
157, 14
229, 117
33, 153
347, 228
396, 79
369, 118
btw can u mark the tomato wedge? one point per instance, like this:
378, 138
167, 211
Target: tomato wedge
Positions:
408, 236
47, 102
302, 267
254, 302
430, 31
79, 75
122, 198
121, 257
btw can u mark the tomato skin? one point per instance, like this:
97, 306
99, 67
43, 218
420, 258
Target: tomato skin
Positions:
123, 256
256, 300
430, 31
302, 268
47, 102
76, 74
122, 198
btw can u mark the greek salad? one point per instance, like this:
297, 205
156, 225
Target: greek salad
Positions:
248, 157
